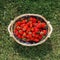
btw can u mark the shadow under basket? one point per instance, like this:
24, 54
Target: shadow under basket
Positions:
11, 26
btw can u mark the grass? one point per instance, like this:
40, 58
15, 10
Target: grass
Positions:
9, 49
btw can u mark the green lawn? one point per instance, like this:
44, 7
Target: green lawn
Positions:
9, 49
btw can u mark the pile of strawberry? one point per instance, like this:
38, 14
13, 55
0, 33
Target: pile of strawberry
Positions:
30, 29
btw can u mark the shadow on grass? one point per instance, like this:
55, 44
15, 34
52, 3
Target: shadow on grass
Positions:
34, 53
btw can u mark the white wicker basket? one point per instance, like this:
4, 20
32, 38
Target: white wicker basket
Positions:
10, 29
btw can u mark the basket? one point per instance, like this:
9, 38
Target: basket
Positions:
10, 30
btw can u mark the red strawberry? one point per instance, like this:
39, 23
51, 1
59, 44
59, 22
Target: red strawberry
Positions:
36, 40
35, 24
36, 35
32, 19
33, 34
27, 40
28, 29
21, 32
39, 21
27, 36
45, 32
24, 21
30, 35
32, 29
16, 32
25, 27
28, 24
19, 36
18, 27
36, 29
40, 37
31, 25
18, 23
22, 37
22, 25
43, 25
38, 25
24, 34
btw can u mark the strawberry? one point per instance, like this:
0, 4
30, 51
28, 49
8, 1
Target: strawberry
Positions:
36, 29
18, 27
30, 35
21, 32
24, 21
43, 25
33, 32
35, 24
28, 24
36, 35
39, 21
32, 38
33, 19
32, 29
40, 37
31, 25
19, 36
22, 25
28, 29
18, 23
27, 36
16, 32
27, 40
36, 40
24, 34
38, 25
22, 37
25, 27
44, 32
